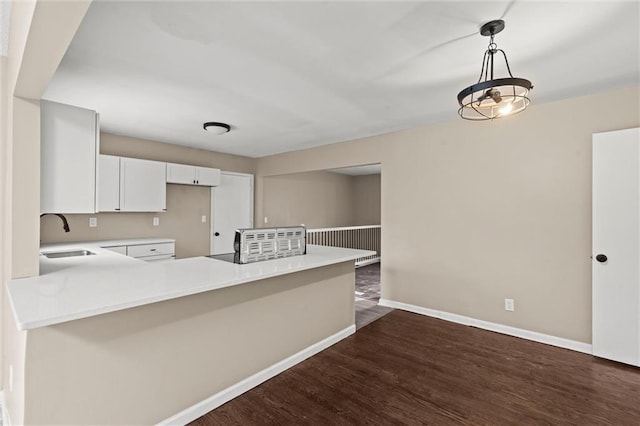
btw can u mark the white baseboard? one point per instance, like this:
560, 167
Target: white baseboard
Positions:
203, 407
486, 325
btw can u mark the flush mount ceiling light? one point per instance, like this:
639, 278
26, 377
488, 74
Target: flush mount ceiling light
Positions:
493, 97
216, 128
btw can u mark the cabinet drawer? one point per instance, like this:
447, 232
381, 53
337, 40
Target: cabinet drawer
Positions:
151, 249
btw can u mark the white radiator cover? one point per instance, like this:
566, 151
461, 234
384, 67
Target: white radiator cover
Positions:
257, 244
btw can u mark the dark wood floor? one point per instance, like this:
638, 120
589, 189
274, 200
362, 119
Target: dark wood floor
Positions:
409, 369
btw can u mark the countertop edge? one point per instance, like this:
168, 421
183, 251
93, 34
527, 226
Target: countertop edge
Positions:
196, 289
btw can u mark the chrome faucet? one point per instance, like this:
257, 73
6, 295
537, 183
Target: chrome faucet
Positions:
65, 224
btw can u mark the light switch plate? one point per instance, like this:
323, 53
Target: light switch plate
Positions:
156, 221
93, 222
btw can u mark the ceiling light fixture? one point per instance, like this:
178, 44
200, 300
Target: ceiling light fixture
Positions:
493, 98
216, 128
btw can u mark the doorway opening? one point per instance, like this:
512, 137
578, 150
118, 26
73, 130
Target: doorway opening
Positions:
365, 234
340, 208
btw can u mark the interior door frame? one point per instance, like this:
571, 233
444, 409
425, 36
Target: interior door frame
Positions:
251, 203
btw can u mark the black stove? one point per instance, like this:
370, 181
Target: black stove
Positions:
227, 257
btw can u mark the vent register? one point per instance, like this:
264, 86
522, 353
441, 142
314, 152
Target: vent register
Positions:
258, 244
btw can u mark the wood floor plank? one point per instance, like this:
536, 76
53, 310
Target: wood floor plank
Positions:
410, 369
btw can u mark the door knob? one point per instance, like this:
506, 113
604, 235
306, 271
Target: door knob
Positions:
601, 258
217, 234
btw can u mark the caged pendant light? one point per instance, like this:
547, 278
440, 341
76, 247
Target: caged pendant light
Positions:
491, 97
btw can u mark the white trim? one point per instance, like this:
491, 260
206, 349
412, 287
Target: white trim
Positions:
368, 262
486, 325
203, 407
343, 228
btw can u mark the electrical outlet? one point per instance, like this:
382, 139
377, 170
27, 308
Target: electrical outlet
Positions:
93, 222
204, 219
266, 220
509, 305
156, 221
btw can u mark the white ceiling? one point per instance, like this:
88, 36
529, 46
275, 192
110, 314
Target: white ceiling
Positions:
372, 169
291, 75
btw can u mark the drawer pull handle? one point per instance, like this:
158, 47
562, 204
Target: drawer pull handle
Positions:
153, 249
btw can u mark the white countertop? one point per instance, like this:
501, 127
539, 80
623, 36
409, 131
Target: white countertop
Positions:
109, 282
103, 257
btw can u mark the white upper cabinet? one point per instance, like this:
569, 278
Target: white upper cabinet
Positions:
181, 173
142, 185
108, 183
207, 177
70, 144
192, 175
131, 185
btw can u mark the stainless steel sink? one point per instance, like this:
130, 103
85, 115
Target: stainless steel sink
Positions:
67, 253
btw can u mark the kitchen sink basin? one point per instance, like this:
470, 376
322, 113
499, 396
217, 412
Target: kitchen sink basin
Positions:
66, 253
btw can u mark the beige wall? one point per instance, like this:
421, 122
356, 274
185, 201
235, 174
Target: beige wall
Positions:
321, 199
142, 365
366, 199
40, 33
315, 199
476, 212
185, 204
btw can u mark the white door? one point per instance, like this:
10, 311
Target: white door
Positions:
231, 208
616, 245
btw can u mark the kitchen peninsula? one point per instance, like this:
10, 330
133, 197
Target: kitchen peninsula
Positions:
143, 343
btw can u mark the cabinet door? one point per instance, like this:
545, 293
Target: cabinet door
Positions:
181, 173
207, 177
108, 183
142, 185
68, 156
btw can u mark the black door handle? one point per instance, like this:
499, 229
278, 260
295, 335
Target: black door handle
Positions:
217, 234
601, 258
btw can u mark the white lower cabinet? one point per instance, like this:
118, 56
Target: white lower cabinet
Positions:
147, 252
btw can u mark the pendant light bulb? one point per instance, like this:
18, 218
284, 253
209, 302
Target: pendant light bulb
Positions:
506, 109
